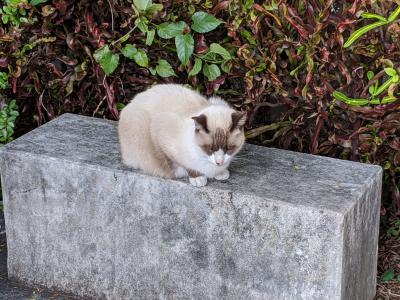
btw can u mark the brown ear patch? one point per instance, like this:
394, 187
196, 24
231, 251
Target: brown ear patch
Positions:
201, 123
238, 119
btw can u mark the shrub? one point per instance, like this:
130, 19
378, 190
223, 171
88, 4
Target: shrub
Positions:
307, 83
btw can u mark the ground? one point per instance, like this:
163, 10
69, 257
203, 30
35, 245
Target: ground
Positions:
389, 258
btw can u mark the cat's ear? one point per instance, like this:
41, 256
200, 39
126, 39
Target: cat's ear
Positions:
238, 120
200, 123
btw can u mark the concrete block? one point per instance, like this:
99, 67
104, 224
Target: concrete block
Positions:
286, 225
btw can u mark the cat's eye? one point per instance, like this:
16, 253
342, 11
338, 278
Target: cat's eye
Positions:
230, 149
207, 149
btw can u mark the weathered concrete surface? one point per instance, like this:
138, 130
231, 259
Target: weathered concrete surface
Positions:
284, 226
13, 290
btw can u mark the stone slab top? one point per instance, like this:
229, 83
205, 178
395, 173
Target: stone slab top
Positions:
280, 176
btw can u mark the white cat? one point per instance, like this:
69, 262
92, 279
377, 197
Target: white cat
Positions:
172, 131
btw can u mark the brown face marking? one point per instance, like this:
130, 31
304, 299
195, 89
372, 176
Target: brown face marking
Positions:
200, 123
219, 141
238, 120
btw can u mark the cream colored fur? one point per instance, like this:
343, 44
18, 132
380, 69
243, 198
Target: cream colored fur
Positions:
157, 133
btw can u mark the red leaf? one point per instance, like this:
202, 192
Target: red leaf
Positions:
111, 99
301, 30
220, 6
3, 62
201, 45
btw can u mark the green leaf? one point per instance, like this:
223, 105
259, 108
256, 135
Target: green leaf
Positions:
153, 71
204, 22
216, 48
120, 106
371, 89
170, 30
249, 36
22, 11
385, 85
349, 101
107, 60
226, 66
141, 23
142, 5
154, 8
129, 51
138, 55
393, 16
5, 19
184, 47
211, 71
150, 37
390, 71
4, 133
37, 2
363, 30
197, 67
370, 75
373, 16
164, 69
388, 275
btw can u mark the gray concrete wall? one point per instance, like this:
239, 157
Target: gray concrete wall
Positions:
284, 226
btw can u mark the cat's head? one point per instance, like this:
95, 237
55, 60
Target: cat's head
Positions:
219, 133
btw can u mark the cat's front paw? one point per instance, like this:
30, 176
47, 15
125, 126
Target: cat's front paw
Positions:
198, 181
224, 175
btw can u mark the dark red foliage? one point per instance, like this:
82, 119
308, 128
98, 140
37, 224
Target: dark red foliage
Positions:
289, 60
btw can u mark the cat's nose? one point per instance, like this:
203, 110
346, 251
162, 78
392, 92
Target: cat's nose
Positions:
219, 161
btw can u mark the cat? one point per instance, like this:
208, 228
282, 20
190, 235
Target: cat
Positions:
172, 131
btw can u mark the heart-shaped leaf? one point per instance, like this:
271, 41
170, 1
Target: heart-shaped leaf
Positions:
390, 71
154, 8
184, 47
138, 55
142, 5
211, 71
170, 30
164, 69
107, 60
141, 58
388, 275
129, 50
204, 22
37, 2
216, 48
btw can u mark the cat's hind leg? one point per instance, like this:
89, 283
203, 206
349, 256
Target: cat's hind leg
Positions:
180, 172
